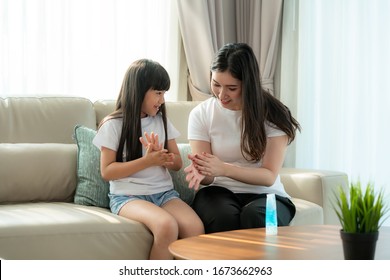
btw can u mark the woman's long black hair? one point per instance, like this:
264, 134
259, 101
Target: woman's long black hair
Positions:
258, 105
141, 76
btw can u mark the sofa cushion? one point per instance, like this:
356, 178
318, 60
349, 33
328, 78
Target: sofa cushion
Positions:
67, 231
102, 109
91, 188
308, 213
178, 113
43, 119
37, 172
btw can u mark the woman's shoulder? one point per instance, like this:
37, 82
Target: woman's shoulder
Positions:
205, 105
273, 130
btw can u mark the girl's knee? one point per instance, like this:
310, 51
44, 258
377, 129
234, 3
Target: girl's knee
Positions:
193, 228
198, 227
166, 229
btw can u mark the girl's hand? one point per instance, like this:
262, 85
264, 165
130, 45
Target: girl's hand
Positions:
159, 157
151, 144
209, 165
151, 139
193, 176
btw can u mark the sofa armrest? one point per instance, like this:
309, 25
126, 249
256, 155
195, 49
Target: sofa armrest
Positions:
317, 186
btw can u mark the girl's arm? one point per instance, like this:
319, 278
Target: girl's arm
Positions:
112, 170
174, 150
210, 165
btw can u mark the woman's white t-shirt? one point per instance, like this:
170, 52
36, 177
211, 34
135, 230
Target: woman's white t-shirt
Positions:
149, 181
221, 127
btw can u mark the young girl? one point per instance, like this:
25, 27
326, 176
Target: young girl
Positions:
138, 146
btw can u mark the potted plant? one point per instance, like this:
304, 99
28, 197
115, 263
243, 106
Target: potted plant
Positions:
361, 214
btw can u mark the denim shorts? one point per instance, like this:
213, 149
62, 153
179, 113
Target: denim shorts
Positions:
159, 199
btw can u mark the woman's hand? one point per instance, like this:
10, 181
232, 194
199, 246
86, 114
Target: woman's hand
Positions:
209, 165
193, 176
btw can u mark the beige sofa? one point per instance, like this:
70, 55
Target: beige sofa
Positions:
45, 212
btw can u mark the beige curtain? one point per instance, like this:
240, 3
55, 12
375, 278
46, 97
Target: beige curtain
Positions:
259, 25
206, 25
289, 69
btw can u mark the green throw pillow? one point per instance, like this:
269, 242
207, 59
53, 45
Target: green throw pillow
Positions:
91, 189
179, 177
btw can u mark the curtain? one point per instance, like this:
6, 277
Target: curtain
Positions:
342, 96
288, 78
259, 25
206, 25
83, 47
199, 26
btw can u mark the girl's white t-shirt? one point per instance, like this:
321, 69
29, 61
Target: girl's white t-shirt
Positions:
149, 181
221, 127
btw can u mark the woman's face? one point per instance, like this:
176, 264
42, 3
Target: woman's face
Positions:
227, 89
152, 101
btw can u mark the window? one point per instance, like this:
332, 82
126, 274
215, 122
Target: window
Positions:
83, 47
343, 91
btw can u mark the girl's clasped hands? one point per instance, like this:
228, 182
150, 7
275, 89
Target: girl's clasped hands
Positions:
155, 152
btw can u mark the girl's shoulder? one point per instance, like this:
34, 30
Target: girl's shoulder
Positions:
111, 122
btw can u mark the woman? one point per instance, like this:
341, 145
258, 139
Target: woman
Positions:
238, 140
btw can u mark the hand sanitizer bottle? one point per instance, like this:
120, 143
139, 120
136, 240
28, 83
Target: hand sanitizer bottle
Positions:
271, 220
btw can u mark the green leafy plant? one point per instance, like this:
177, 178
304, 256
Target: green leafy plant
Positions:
361, 211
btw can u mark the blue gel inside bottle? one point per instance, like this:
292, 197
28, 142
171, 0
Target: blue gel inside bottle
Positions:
271, 221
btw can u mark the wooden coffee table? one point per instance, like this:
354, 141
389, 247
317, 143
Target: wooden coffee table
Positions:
316, 242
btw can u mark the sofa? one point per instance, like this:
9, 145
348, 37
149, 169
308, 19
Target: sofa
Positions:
53, 202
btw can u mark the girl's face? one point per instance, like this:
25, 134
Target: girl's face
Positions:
227, 89
152, 102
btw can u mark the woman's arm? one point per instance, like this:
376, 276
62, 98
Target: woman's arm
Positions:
197, 148
211, 166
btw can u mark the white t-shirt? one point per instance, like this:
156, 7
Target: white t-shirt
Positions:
221, 127
151, 180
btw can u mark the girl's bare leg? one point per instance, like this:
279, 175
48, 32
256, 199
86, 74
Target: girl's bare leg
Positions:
189, 222
162, 224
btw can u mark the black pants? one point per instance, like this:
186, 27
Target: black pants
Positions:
222, 210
